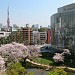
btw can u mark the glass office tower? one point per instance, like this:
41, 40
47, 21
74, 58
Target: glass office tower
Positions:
63, 27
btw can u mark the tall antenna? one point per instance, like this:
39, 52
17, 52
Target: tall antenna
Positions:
8, 20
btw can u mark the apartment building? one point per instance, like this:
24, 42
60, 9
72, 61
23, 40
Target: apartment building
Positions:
43, 37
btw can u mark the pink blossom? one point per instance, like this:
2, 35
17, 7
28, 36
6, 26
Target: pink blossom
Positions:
14, 51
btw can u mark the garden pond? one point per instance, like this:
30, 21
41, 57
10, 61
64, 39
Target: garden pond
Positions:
42, 72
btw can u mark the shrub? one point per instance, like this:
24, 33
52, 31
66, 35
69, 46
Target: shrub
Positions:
16, 69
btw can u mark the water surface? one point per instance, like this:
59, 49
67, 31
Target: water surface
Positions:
70, 73
37, 71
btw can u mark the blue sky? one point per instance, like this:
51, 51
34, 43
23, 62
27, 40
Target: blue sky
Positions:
30, 11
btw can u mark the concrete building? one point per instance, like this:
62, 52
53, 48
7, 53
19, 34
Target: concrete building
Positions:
27, 34
3, 28
63, 27
31, 37
36, 38
43, 37
4, 34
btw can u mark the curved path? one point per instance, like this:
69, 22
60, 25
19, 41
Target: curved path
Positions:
39, 64
42, 65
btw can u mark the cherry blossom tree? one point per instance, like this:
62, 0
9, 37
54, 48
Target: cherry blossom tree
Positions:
59, 57
34, 51
13, 51
2, 63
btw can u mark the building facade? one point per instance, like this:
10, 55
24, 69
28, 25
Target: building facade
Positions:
43, 37
4, 34
63, 27
27, 35
36, 38
48, 36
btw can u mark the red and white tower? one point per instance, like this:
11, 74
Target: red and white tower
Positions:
8, 20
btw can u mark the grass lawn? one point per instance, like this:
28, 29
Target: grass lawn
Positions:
43, 61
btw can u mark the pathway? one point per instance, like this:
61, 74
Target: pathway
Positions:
38, 64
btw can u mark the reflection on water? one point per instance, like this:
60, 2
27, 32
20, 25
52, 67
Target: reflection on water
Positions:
37, 71
42, 72
70, 73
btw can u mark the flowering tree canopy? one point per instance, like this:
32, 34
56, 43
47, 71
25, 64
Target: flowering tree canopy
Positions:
60, 56
66, 51
2, 63
34, 51
13, 51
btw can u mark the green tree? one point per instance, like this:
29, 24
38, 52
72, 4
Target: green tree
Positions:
1, 40
16, 69
42, 29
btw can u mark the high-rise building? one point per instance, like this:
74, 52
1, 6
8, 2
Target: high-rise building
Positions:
4, 28
27, 25
49, 27
40, 26
35, 27
26, 34
63, 27
43, 37
15, 27
0, 26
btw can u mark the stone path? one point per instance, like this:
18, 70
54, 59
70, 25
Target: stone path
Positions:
47, 66
38, 64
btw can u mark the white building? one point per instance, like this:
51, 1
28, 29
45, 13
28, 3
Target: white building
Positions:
43, 37
4, 34
36, 37
39, 37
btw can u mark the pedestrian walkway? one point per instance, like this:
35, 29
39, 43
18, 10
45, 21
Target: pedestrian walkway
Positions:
47, 66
